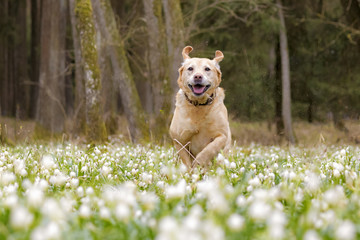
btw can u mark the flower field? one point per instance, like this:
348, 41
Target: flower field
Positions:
119, 191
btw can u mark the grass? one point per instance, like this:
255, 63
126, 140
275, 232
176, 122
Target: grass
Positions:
122, 191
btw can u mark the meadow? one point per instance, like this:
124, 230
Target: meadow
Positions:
124, 191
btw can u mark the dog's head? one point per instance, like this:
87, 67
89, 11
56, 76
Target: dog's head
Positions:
199, 77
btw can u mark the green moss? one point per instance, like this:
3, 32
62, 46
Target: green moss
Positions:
95, 126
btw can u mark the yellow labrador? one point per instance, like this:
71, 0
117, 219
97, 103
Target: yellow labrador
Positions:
200, 127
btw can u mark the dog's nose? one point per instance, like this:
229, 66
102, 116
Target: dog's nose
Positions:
198, 78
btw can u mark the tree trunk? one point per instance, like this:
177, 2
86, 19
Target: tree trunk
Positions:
108, 91
278, 93
80, 98
175, 40
51, 101
122, 73
34, 55
285, 75
4, 81
95, 130
21, 91
159, 76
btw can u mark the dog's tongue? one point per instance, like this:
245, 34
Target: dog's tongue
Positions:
198, 89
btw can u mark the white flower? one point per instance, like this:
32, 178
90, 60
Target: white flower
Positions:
259, 210
21, 218
51, 231
89, 191
48, 162
276, 222
105, 170
52, 209
122, 212
149, 200
235, 222
255, 182
74, 182
105, 213
311, 235
240, 201
334, 196
346, 230
177, 191
233, 165
312, 182
35, 196
7, 177
11, 200
84, 211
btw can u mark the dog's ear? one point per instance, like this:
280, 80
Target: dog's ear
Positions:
179, 81
218, 58
186, 52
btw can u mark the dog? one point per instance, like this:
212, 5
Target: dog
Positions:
200, 126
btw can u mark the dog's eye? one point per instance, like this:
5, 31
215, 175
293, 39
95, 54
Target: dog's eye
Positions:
207, 69
190, 68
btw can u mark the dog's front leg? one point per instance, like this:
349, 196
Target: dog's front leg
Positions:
210, 151
181, 146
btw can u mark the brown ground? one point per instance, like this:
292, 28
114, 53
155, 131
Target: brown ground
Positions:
243, 133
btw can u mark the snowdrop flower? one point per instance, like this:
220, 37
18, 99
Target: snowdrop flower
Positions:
89, 191
167, 228
177, 191
58, 180
35, 196
48, 162
105, 170
334, 196
240, 201
220, 158
312, 182
11, 201
74, 182
235, 222
122, 212
21, 218
232, 165
149, 200
213, 232
147, 178
51, 231
336, 173
255, 182
52, 209
311, 235
84, 211
97, 151
105, 213
276, 222
7, 178
259, 210
346, 231
80, 191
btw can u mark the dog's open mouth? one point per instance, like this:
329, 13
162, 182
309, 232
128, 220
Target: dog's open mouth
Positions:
199, 89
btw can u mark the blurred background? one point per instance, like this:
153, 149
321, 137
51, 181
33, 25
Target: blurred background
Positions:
74, 69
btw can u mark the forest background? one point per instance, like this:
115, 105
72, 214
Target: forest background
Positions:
94, 68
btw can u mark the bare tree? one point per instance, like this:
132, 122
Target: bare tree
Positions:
175, 38
285, 75
51, 99
34, 55
85, 24
122, 73
80, 98
158, 76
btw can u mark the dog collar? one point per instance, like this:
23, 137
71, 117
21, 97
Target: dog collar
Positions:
196, 103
